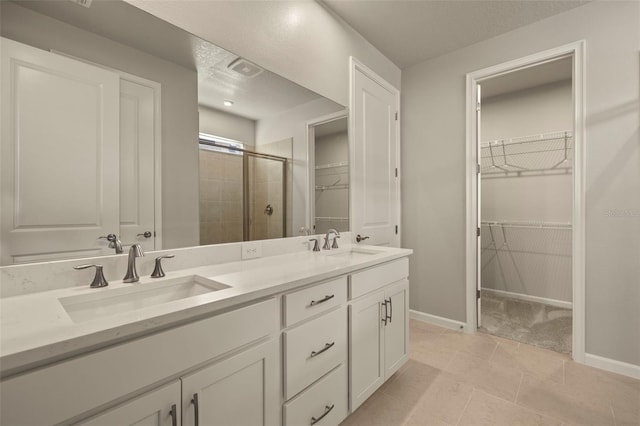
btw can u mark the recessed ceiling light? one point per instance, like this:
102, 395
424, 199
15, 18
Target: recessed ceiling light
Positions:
228, 103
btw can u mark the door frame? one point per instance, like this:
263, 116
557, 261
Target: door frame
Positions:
473, 79
311, 161
356, 65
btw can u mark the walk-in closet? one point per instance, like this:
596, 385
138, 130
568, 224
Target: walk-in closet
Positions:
526, 199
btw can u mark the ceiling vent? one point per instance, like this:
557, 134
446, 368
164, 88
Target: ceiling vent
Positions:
245, 68
85, 3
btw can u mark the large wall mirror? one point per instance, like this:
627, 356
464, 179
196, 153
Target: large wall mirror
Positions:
117, 124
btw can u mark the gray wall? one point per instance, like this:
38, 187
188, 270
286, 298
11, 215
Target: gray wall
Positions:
179, 108
219, 123
433, 157
534, 261
293, 124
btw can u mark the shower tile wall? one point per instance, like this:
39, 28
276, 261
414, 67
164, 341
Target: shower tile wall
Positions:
220, 197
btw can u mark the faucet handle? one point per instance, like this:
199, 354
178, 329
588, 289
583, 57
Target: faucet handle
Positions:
335, 241
316, 244
157, 271
360, 238
114, 242
98, 280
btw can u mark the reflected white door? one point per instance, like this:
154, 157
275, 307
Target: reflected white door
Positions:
58, 155
375, 201
137, 183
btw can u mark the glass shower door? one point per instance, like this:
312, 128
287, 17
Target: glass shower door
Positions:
264, 196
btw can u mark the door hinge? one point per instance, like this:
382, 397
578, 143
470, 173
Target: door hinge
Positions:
396, 229
478, 169
396, 172
396, 115
477, 232
477, 294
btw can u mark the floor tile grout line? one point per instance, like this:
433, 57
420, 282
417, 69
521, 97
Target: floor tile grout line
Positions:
494, 351
613, 413
515, 401
465, 406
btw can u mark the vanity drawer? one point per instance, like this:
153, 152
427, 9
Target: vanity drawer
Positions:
328, 395
305, 303
313, 349
377, 277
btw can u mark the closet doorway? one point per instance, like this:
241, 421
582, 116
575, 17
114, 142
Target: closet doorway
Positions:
526, 204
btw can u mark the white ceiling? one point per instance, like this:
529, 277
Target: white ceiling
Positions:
409, 32
262, 96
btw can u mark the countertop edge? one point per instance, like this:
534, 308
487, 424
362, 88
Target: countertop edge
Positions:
23, 360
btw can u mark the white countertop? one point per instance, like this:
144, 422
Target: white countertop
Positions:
35, 329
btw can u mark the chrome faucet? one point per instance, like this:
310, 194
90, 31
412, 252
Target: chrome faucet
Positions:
336, 235
132, 275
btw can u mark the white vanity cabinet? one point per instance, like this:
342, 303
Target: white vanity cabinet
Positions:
242, 390
315, 355
378, 327
119, 373
160, 407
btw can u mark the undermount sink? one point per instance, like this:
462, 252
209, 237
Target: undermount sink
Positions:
108, 302
355, 252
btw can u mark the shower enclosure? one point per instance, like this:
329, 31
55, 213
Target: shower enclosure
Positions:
242, 193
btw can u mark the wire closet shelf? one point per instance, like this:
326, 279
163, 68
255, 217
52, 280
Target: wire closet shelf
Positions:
548, 152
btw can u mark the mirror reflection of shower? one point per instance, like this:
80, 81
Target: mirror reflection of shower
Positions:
331, 157
243, 193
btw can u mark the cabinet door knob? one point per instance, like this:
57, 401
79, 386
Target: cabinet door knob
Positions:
196, 413
174, 415
327, 410
385, 316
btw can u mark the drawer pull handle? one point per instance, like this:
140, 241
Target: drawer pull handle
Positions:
174, 415
327, 346
326, 298
327, 410
196, 410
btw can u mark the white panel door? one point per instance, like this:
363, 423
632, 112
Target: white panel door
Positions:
160, 407
242, 390
137, 182
58, 155
375, 202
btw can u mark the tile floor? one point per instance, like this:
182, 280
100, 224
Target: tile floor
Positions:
453, 378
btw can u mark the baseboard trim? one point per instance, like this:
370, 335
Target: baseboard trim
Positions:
439, 321
528, 298
608, 364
